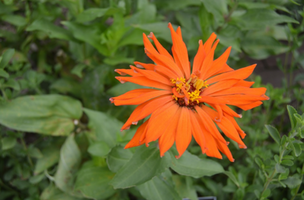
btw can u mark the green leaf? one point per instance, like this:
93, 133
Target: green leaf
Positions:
70, 158
3, 73
191, 165
50, 29
6, 57
274, 133
93, 181
93, 13
14, 19
279, 168
11, 83
103, 126
257, 19
45, 114
77, 70
293, 181
184, 186
8, 143
118, 60
143, 166
296, 147
118, 157
52, 192
50, 157
34, 152
291, 111
287, 162
159, 188
266, 193
99, 148
232, 178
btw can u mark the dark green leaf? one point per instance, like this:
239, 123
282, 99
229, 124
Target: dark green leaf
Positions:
279, 168
118, 157
4, 74
15, 20
293, 181
77, 70
70, 158
159, 188
287, 162
274, 133
93, 181
191, 165
291, 111
233, 178
296, 149
50, 157
103, 126
52, 192
6, 57
45, 114
11, 83
184, 186
8, 142
93, 13
35, 152
266, 193
143, 166
50, 29
99, 148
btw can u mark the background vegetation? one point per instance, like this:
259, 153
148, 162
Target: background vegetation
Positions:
60, 135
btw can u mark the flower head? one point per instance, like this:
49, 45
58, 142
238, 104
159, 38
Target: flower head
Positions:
184, 101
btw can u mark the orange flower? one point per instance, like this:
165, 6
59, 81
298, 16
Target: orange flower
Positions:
185, 103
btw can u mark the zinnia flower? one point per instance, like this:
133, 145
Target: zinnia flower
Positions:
184, 102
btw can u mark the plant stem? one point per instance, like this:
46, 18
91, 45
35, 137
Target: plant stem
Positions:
268, 181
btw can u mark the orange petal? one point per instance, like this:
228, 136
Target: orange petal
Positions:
142, 98
227, 110
159, 121
159, 47
166, 140
197, 131
218, 64
209, 124
209, 42
212, 100
242, 99
144, 65
250, 106
199, 58
135, 141
130, 72
240, 90
208, 61
242, 73
181, 52
141, 80
166, 72
134, 93
224, 149
145, 109
155, 76
148, 45
183, 131
219, 86
239, 130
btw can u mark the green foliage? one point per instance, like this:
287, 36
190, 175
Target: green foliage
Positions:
60, 136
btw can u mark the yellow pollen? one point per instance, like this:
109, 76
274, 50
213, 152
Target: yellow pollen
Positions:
194, 96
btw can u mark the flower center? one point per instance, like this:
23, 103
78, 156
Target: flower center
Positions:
187, 92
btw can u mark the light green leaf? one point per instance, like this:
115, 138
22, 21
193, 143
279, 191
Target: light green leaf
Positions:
11, 83
50, 29
274, 133
50, 157
296, 149
45, 114
77, 70
103, 126
118, 60
293, 181
8, 143
191, 165
3, 73
16, 20
34, 152
159, 188
53, 193
93, 181
93, 13
6, 57
291, 111
118, 157
184, 186
144, 165
287, 162
99, 148
70, 158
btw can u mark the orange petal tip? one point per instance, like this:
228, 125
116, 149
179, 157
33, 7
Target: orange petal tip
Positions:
150, 35
134, 123
119, 78
177, 157
111, 99
139, 66
240, 115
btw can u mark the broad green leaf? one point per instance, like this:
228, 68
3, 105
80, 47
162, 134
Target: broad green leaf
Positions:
53, 193
191, 165
3, 73
77, 70
293, 181
287, 162
103, 126
159, 188
34, 152
11, 83
45, 114
36, 178
274, 133
6, 57
291, 111
279, 168
118, 157
296, 147
255, 19
70, 158
232, 178
217, 8
14, 19
99, 148
266, 193
89, 34
143, 166
184, 186
50, 157
93, 181
50, 29
118, 60
8, 143
93, 13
